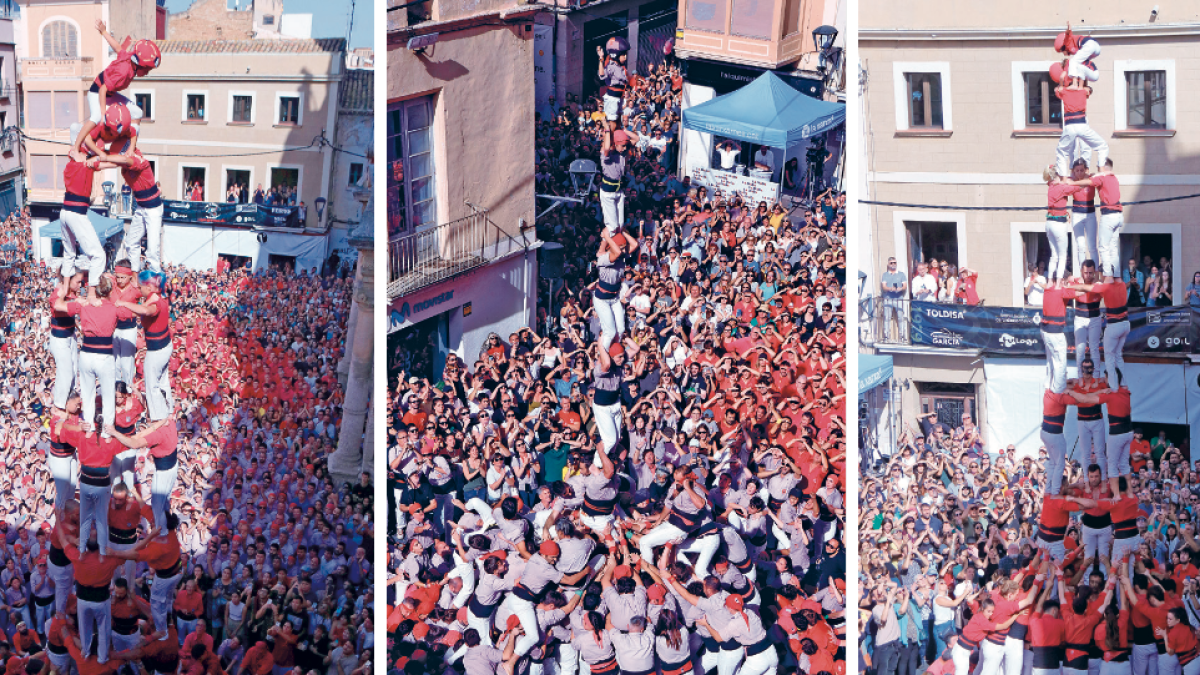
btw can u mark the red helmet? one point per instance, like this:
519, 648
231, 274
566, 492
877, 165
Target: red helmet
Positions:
146, 54
1057, 73
117, 119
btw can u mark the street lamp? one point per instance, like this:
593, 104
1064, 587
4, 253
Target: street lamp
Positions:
823, 37
583, 175
319, 202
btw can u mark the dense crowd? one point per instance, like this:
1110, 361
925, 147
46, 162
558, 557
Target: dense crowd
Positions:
659, 492
264, 562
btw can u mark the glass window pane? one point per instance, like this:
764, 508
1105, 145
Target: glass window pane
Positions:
66, 109
706, 15
935, 100
752, 18
418, 115
422, 189
424, 213
420, 141
41, 111
1158, 104
916, 91
41, 169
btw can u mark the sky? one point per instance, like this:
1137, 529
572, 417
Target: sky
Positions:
329, 17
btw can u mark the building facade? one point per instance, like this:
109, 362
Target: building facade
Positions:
11, 173
460, 205
958, 111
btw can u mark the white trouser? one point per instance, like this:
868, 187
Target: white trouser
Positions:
127, 570
1192, 668
1084, 227
611, 314
991, 658
728, 660
63, 664
1078, 67
1094, 666
65, 471
64, 584
528, 616
122, 469
1168, 664
483, 624
95, 367
704, 549
66, 359
1014, 656
663, 533
82, 249
962, 660
162, 598
1056, 462
149, 222
158, 383
612, 204
1058, 232
1096, 541
1091, 442
1116, 668
1145, 657
609, 419
1121, 547
612, 108
1089, 333
568, 659
122, 642
160, 491
1114, 348
597, 524
1047, 671
764, 663
1027, 668
96, 112
1118, 453
707, 661
1108, 243
93, 508
1056, 361
1056, 549
42, 613
124, 349
1067, 142
95, 618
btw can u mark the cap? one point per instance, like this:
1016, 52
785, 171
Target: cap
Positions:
1056, 72
622, 571
616, 348
548, 548
461, 617
619, 136
420, 630
840, 584
735, 603
657, 594
513, 621
451, 638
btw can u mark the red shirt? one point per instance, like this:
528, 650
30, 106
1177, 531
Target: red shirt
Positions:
1054, 310
1115, 298
97, 321
978, 628
1101, 636
126, 418
78, 180
94, 451
163, 440
1110, 191
89, 571
126, 518
1056, 512
1074, 100
966, 289
161, 555
1046, 631
119, 74
1056, 198
1181, 639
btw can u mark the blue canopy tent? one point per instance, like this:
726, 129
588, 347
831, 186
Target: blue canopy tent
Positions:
105, 227
873, 370
768, 111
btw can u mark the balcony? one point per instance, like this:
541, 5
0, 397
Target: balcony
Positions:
35, 69
760, 33
424, 258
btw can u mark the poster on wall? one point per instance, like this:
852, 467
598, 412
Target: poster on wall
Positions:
543, 67
752, 190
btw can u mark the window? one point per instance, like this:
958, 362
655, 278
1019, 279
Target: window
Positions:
145, 101
1146, 99
60, 40
289, 110
925, 100
706, 15
40, 112
243, 109
412, 200
356, 172
931, 240
1042, 107
195, 109
66, 109
752, 19
268, 19
239, 179
195, 183
41, 170
284, 188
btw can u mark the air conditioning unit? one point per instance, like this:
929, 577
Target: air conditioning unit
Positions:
6, 144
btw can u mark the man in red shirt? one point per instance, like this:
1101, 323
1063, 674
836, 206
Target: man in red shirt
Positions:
95, 454
137, 61
1116, 313
1089, 327
1083, 218
124, 516
1054, 416
162, 552
1109, 234
1052, 524
1074, 99
161, 438
1054, 331
1081, 50
1120, 426
93, 575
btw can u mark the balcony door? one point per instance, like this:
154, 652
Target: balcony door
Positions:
412, 196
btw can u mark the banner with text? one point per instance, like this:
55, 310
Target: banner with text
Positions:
1016, 331
224, 213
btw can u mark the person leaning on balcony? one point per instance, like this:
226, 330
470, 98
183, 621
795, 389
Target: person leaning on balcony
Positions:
894, 284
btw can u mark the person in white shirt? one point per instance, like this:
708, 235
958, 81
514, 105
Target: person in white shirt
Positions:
729, 151
1035, 284
924, 286
765, 159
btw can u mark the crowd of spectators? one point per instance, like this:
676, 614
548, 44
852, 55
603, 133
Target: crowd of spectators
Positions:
276, 557
733, 396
